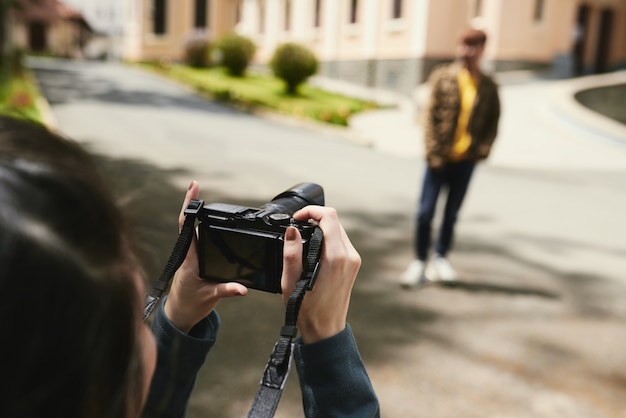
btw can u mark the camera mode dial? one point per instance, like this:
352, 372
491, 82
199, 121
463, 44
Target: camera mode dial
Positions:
280, 219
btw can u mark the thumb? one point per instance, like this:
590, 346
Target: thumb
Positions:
192, 193
292, 261
228, 290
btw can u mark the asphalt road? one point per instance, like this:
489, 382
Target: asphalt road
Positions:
534, 328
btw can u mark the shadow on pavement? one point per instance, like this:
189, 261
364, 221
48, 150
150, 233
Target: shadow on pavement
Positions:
385, 318
498, 289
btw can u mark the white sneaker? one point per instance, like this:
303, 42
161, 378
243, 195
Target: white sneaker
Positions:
440, 269
414, 274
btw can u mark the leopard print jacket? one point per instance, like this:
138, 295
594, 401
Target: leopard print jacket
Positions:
443, 112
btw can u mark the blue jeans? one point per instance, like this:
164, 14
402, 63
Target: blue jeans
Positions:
456, 177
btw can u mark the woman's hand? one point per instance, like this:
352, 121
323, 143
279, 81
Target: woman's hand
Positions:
191, 299
325, 308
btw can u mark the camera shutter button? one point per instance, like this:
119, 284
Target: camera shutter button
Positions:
280, 219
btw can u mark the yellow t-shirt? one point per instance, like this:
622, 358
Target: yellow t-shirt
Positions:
462, 138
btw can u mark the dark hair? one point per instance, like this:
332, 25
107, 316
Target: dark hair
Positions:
473, 37
68, 301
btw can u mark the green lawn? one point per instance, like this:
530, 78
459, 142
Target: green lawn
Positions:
19, 95
262, 91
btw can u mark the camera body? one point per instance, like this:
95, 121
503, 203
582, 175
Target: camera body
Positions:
245, 245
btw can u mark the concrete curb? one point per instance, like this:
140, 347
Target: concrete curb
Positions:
568, 108
344, 133
47, 116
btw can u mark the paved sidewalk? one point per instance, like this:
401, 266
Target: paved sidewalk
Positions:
542, 125
534, 328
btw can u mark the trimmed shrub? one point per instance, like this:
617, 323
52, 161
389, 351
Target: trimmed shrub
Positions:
198, 53
293, 63
235, 53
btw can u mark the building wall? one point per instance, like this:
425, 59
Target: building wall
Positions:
397, 53
143, 44
446, 20
19, 34
61, 37
169, 45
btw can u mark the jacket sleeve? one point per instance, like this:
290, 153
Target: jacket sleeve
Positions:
429, 119
441, 114
333, 379
179, 357
494, 118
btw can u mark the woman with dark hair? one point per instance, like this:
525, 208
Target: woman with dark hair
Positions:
72, 294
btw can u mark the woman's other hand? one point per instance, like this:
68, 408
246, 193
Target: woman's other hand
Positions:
191, 299
325, 308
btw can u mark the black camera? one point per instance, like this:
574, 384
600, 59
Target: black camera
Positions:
245, 245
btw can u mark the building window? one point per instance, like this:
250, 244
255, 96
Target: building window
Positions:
201, 14
317, 13
396, 13
287, 14
354, 5
237, 12
261, 16
478, 8
539, 10
37, 39
159, 17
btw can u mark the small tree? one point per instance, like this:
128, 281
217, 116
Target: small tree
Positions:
293, 63
198, 53
235, 53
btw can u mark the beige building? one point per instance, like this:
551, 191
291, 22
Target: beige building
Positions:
394, 44
159, 29
49, 26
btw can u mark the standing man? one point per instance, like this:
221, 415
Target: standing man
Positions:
461, 125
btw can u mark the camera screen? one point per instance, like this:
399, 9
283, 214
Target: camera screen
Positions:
228, 255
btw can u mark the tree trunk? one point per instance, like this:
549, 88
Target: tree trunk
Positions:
292, 88
4, 38
5, 32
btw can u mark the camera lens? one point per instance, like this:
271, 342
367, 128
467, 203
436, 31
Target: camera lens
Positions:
296, 198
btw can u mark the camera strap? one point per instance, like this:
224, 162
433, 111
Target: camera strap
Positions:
279, 364
185, 238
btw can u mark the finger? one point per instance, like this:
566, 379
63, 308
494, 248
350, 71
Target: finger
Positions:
193, 192
292, 260
230, 289
335, 238
312, 212
326, 217
191, 258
